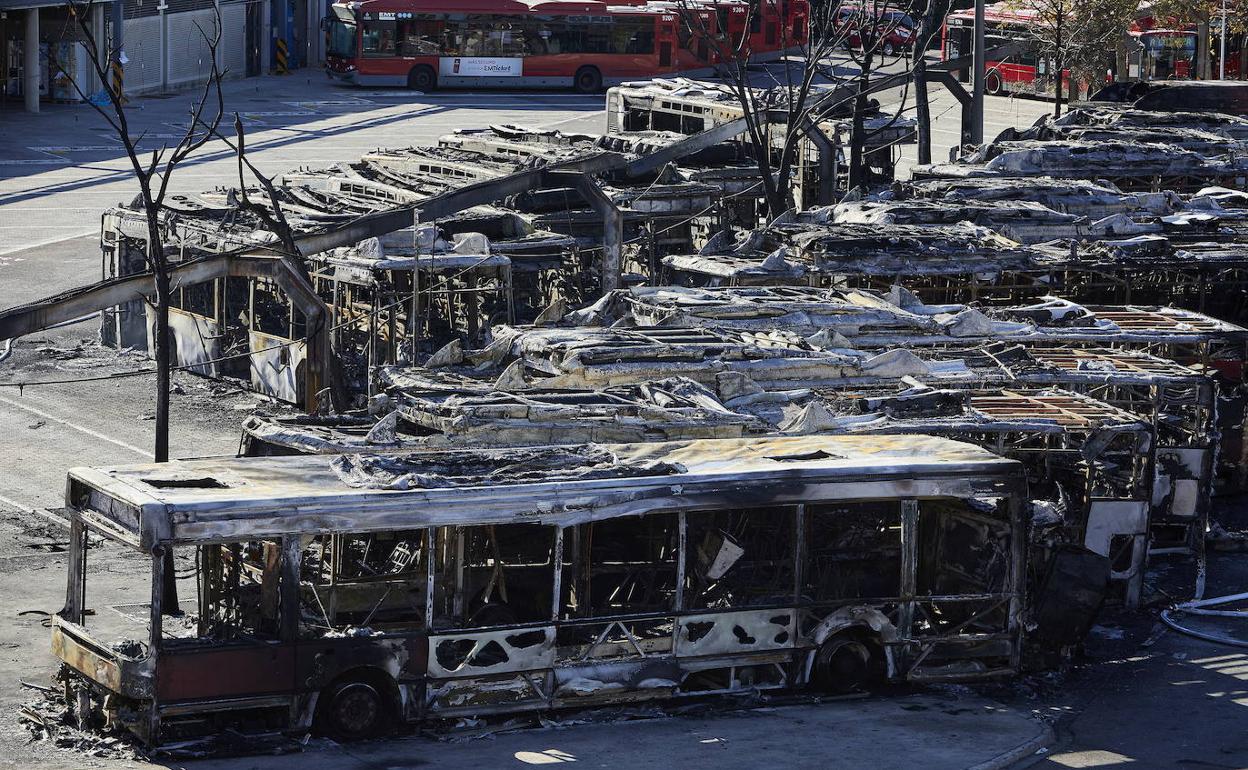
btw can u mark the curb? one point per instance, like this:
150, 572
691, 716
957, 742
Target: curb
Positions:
1018, 753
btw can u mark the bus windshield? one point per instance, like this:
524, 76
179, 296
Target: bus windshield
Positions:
1169, 54
342, 36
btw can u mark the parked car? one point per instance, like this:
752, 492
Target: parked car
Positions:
896, 29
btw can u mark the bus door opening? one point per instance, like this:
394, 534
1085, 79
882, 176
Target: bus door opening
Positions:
667, 42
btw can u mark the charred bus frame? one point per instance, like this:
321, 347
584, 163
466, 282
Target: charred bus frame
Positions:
635, 571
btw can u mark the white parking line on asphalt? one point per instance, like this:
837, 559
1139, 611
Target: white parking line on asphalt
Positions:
55, 518
48, 242
570, 120
38, 162
55, 149
312, 105
279, 114
74, 426
17, 504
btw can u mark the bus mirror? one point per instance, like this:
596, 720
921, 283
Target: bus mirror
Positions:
717, 554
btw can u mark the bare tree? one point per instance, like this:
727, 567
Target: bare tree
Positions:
776, 114
1076, 36
928, 25
780, 112
153, 171
875, 35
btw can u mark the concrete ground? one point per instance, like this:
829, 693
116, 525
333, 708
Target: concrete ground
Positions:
1147, 697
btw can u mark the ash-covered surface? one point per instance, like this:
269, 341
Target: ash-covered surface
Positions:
48, 718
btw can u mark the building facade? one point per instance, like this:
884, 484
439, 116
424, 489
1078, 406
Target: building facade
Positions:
162, 44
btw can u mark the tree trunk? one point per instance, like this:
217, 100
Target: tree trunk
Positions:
858, 133
773, 196
1057, 68
1057, 89
161, 451
922, 110
156, 258
856, 140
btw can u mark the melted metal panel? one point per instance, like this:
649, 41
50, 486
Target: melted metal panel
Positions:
731, 633
491, 652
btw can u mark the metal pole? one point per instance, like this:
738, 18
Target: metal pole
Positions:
977, 93
266, 36
1222, 47
118, 42
163, 8
100, 30
30, 61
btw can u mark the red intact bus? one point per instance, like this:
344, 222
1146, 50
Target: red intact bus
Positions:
1160, 53
1025, 72
1164, 51
776, 26
582, 44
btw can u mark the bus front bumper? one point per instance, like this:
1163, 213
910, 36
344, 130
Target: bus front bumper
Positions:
103, 686
345, 77
112, 671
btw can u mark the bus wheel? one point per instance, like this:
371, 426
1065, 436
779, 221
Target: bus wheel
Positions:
588, 80
992, 83
352, 710
844, 663
422, 78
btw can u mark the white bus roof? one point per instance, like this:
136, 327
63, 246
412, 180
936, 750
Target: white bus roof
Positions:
250, 498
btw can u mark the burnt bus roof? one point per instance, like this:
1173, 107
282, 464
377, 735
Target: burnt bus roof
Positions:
232, 499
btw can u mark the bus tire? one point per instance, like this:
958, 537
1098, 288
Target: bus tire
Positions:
355, 708
588, 80
845, 663
422, 78
993, 83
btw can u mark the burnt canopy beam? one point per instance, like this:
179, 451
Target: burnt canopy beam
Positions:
612, 222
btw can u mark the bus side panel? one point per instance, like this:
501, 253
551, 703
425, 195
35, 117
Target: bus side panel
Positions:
225, 672
1013, 73
736, 632
390, 70
565, 65
482, 671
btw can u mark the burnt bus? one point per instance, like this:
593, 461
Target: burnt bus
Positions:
351, 593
